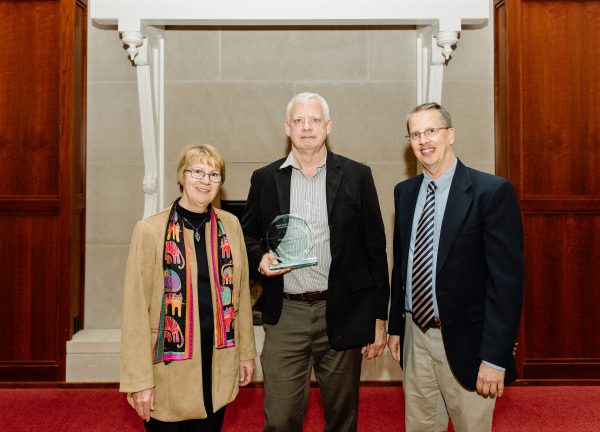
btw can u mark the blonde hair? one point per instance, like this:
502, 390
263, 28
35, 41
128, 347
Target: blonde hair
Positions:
202, 153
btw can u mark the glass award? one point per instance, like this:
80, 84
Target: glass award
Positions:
290, 239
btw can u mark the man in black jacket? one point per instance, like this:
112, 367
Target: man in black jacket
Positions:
456, 284
324, 316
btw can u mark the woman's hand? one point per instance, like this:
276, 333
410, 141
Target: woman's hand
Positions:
246, 372
144, 403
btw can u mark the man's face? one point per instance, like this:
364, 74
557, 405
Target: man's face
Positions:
435, 152
307, 127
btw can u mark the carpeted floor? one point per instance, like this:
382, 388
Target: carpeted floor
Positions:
522, 409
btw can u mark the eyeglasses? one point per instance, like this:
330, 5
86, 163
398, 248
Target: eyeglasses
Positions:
429, 133
213, 176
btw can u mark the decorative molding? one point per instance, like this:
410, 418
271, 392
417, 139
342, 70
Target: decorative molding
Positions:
145, 45
134, 41
446, 39
141, 24
433, 53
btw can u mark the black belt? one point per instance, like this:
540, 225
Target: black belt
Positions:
307, 297
435, 323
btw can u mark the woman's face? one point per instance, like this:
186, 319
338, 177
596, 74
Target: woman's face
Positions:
201, 183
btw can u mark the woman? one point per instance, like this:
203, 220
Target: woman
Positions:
187, 339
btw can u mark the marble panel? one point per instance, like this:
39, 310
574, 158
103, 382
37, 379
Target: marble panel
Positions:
107, 57
389, 250
387, 368
392, 54
387, 176
472, 108
104, 277
237, 185
192, 54
485, 167
294, 54
171, 186
473, 57
113, 123
259, 338
96, 367
243, 120
368, 370
115, 202
90, 341
368, 119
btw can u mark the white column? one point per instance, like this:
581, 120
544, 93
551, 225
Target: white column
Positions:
145, 45
434, 49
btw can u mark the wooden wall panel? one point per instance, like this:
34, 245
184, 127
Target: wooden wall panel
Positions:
562, 280
42, 186
501, 91
29, 97
560, 98
30, 241
29, 294
550, 116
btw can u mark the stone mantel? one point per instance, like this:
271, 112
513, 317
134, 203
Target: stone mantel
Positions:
94, 354
141, 24
449, 13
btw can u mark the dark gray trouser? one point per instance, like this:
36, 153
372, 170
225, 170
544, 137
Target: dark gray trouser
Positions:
293, 347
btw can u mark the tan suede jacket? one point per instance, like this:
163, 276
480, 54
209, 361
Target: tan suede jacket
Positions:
178, 385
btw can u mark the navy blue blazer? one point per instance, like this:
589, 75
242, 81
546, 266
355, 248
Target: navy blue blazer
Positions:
358, 284
479, 273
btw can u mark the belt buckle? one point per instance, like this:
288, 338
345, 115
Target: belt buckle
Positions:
310, 298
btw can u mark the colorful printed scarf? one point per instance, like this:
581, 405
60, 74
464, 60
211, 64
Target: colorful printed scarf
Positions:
172, 343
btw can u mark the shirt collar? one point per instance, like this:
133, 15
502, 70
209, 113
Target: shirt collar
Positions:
443, 181
291, 161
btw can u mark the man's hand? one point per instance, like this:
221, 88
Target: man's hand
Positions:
376, 348
490, 381
266, 261
394, 346
246, 372
144, 403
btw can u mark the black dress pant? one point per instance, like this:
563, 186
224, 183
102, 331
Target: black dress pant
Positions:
213, 423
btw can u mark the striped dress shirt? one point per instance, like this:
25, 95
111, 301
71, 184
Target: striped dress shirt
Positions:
308, 200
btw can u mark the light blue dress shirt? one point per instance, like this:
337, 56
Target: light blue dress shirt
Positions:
443, 183
442, 191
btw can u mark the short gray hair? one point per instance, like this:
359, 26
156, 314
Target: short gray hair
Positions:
444, 114
304, 98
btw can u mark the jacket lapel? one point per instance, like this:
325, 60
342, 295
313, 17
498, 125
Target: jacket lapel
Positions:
283, 180
333, 180
407, 217
460, 198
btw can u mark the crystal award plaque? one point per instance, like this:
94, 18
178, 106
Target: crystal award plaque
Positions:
290, 239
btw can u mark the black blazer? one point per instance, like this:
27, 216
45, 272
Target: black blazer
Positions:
358, 291
479, 273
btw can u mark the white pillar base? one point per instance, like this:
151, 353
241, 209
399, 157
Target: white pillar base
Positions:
94, 355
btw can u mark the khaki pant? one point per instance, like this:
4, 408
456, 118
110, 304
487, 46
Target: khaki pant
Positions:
431, 390
293, 347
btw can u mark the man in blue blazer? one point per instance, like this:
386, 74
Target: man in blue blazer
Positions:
456, 283
321, 317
